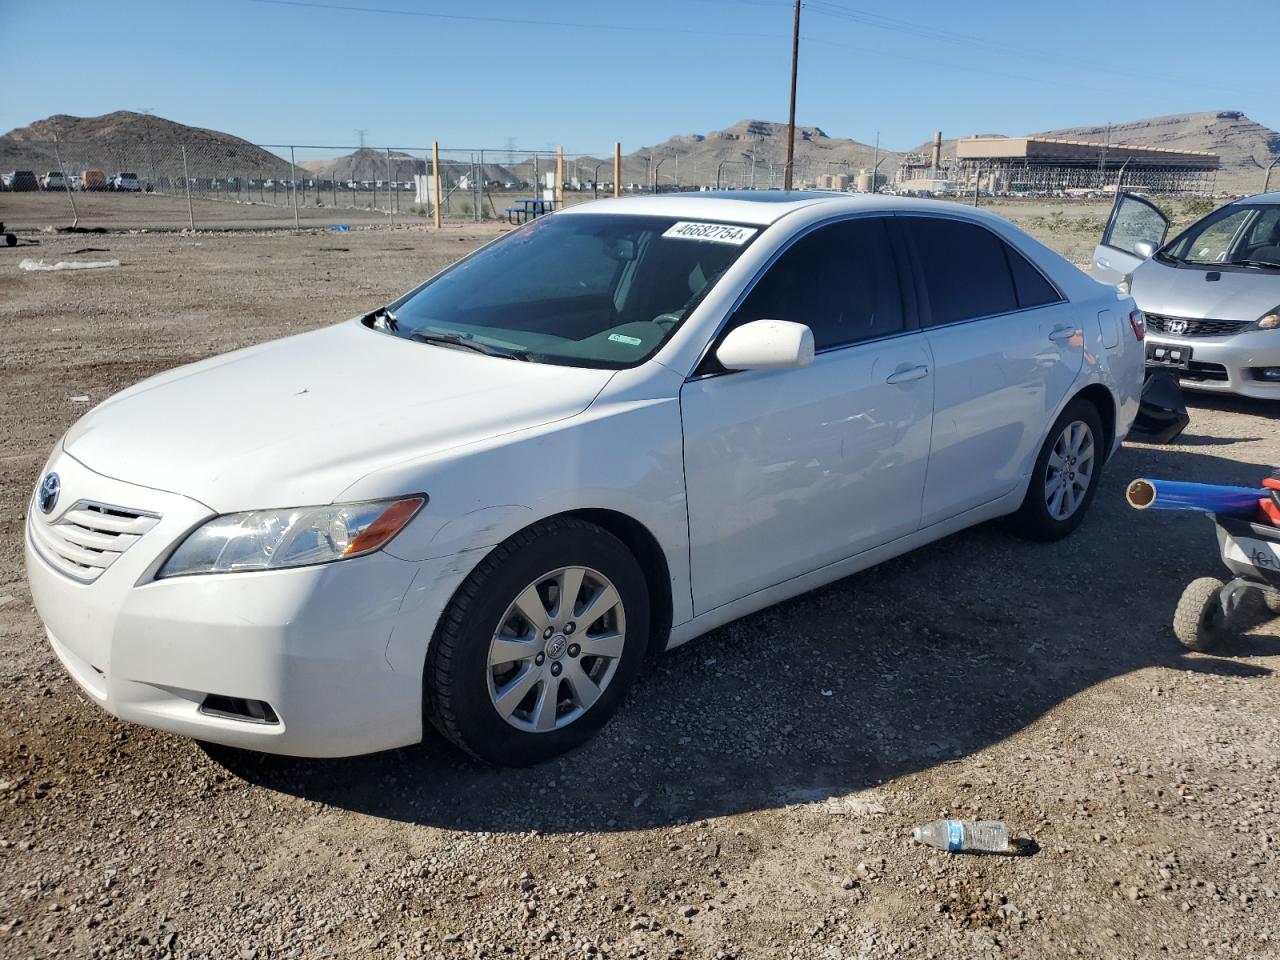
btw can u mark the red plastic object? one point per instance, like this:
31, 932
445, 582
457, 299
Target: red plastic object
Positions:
1138, 321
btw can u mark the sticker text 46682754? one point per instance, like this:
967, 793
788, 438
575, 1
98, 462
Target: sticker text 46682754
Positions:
713, 232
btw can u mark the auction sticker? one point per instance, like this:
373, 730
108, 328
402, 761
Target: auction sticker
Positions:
1257, 553
714, 232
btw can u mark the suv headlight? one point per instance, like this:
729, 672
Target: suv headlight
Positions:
296, 537
1269, 320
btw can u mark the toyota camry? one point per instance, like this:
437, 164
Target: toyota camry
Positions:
481, 507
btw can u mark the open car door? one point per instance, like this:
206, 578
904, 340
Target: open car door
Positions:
1133, 221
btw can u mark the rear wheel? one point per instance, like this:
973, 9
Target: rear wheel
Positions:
1199, 622
539, 645
1066, 475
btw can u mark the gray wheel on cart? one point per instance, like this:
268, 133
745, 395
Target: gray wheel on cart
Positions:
1199, 622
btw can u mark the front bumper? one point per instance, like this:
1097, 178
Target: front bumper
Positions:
335, 650
1227, 364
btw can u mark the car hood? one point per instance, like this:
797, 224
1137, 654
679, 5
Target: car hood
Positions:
296, 421
1184, 292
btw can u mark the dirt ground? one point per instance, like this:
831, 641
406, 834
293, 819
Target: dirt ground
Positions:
755, 795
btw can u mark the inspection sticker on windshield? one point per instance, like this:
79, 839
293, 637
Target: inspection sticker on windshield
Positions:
715, 232
623, 338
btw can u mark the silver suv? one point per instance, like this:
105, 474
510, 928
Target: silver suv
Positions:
1211, 295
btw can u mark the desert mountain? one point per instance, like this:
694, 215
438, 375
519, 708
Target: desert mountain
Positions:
696, 158
145, 144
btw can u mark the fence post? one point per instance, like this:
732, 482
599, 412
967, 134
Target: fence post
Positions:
559, 192
293, 185
186, 179
57, 155
617, 169
391, 203
435, 179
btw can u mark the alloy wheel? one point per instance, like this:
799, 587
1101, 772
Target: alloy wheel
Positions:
556, 649
1069, 470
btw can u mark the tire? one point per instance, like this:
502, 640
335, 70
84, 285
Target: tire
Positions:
465, 680
1198, 622
1042, 517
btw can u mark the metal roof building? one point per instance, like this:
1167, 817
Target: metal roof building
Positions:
1033, 164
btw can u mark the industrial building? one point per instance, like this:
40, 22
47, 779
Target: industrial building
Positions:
1036, 165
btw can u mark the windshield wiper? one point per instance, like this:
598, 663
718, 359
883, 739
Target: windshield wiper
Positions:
386, 319
457, 340
1251, 263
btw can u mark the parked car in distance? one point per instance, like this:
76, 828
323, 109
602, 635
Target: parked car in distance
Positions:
1211, 294
126, 182
53, 180
23, 180
93, 180
595, 438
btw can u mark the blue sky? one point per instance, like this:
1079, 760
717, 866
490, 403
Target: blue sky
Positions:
588, 73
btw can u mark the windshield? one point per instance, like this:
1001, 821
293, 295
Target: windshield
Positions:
599, 290
1244, 234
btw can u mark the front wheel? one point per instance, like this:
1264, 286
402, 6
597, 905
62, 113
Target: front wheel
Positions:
539, 645
1066, 475
1199, 622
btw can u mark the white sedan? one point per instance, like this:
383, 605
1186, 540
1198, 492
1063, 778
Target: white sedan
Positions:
614, 429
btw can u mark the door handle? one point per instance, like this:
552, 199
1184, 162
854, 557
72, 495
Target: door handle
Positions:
1105, 264
907, 375
1060, 333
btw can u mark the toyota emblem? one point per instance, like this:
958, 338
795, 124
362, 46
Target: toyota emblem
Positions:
50, 488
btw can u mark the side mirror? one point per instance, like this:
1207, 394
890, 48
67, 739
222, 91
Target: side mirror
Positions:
767, 345
1144, 249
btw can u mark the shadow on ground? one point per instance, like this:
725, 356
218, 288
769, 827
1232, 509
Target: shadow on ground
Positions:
917, 662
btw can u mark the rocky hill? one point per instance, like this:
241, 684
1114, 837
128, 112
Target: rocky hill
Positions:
369, 163
143, 143
696, 158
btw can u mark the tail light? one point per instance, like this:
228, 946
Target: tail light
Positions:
1138, 321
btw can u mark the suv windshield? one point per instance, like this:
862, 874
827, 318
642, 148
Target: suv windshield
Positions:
598, 290
1241, 234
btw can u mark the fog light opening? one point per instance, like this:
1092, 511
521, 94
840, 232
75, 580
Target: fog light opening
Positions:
1270, 374
238, 708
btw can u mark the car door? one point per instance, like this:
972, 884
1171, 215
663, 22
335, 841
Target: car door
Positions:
1006, 348
789, 470
1133, 219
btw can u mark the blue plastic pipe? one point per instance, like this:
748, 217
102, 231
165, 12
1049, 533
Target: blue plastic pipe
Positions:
1145, 494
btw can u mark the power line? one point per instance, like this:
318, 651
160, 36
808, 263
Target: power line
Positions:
518, 21
876, 21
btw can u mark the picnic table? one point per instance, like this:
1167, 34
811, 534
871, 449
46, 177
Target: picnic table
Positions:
528, 209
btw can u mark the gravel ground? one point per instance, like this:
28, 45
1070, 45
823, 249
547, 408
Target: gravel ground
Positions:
755, 796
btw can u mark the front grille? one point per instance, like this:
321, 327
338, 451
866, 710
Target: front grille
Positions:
89, 537
1204, 371
1194, 328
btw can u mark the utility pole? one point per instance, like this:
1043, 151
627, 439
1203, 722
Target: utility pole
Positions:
791, 117
360, 133
876, 165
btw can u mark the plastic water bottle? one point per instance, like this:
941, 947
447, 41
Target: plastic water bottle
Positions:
965, 836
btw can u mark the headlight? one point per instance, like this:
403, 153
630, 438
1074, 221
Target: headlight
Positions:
1270, 320
298, 537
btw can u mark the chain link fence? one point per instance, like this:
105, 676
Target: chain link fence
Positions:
226, 183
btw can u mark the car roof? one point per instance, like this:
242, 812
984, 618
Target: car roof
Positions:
1273, 197
756, 207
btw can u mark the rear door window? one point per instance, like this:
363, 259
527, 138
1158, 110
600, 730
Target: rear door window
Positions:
965, 270
1032, 288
